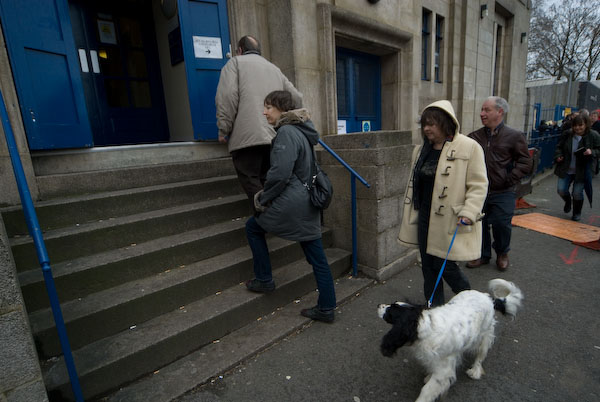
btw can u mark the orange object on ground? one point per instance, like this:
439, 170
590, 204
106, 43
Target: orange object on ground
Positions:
557, 227
522, 204
594, 245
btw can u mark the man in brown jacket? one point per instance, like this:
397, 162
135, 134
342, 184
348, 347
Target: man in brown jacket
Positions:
507, 160
244, 83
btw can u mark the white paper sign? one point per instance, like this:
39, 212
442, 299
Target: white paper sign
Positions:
341, 126
106, 31
206, 47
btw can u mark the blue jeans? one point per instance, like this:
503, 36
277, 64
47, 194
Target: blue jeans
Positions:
313, 251
499, 209
563, 185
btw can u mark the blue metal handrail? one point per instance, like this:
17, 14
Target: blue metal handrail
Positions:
353, 177
40, 247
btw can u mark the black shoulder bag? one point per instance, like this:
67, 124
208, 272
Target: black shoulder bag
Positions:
320, 187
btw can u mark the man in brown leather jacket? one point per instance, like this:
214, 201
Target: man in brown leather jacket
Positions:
507, 160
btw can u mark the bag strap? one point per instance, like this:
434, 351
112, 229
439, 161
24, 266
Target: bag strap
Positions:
313, 167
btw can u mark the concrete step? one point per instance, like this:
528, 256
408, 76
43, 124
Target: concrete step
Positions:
174, 380
86, 275
113, 361
71, 211
95, 237
108, 312
73, 184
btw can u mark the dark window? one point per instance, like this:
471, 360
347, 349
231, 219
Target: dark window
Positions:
366, 79
439, 37
426, 36
342, 90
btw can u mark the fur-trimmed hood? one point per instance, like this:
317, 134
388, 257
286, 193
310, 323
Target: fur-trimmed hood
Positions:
301, 119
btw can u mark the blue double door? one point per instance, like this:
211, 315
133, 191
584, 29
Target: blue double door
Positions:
358, 81
87, 72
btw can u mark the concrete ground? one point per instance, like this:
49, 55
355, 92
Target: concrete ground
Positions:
550, 352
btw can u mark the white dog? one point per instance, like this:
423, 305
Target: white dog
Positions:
440, 336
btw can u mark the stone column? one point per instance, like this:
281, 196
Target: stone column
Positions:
20, 374
383, 159
9, 194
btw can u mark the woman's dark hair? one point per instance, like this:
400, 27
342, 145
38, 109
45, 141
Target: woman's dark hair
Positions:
282, 100
440, 118
580, 120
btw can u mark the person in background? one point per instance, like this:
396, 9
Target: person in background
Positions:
507, 160
284, 206
595, 120
574, 157
244, 82
445, 193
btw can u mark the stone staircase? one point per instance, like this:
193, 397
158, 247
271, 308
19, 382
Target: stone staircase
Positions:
149, 263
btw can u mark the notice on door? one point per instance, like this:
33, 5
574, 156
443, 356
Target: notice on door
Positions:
206, 47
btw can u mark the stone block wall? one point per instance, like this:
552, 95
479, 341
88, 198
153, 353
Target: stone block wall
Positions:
382, 158
20, 374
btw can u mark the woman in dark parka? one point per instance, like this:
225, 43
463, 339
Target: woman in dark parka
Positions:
284, 204
574, 156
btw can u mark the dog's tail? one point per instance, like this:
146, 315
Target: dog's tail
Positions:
507, 296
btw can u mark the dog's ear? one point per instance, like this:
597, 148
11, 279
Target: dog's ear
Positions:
394, 339
404, 330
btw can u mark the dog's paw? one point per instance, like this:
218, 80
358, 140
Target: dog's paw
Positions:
475, 372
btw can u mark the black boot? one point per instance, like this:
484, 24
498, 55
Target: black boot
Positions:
567, 207
577, 205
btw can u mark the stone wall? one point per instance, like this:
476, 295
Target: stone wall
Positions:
382, 158
20, 374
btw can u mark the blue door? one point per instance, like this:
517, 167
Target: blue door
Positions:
205, 35
46, 72
358, 80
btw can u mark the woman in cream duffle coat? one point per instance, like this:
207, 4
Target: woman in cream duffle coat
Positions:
447, 188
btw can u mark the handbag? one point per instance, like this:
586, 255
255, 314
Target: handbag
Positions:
320, 188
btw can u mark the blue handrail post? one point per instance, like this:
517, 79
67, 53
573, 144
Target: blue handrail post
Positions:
36, 234
353, 177
354, 240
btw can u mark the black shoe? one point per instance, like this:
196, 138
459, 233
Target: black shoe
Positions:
315, 313
577, 205
254, 285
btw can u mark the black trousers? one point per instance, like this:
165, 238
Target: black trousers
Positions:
431, 265
251, 165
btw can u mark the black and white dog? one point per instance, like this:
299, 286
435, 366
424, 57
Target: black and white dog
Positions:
440, 336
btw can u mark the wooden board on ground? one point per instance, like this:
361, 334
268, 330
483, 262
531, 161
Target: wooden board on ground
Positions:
557, 227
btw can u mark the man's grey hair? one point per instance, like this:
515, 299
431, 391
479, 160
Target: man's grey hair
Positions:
584, 112
501, 103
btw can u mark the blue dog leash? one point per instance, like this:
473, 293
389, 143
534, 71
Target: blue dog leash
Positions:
443, 266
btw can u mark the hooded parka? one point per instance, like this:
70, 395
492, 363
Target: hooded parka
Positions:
289, 212
459, 190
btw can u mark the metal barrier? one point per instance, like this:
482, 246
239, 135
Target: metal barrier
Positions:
546, 142
353, 177
36, 234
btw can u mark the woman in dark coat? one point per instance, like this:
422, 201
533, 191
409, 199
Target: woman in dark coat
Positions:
285, 206
574, 156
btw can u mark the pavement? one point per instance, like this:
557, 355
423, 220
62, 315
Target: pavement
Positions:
550, 352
